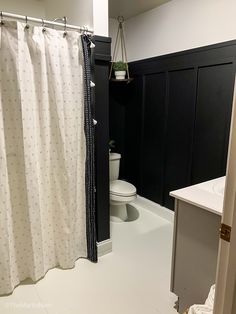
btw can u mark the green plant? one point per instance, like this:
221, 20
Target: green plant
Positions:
119, 66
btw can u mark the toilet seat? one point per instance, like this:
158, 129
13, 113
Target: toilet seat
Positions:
122, 189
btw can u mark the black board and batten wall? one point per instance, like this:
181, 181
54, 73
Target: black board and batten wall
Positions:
172, 123
102, 58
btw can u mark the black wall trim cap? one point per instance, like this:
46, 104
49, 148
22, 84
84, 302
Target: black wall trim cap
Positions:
102, 39
103, 48
102, 57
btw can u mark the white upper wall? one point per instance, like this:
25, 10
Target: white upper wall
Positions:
91, 13
113, 25
33, 8
78, 12
100, 17
179, 25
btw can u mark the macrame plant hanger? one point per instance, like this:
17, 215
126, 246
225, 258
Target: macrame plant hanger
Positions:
120, 42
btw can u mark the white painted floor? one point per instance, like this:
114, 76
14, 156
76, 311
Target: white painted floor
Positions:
133, 279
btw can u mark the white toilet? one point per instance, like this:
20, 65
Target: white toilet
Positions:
121, 192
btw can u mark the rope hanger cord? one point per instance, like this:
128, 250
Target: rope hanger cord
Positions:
120, 41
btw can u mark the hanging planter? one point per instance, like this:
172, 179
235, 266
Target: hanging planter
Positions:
120, 69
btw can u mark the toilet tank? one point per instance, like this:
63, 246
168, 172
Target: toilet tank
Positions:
114, 166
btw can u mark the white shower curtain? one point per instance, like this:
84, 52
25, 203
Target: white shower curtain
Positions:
42, 153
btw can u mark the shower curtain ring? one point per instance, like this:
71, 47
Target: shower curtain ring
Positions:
84, 30
26, 22
1, 14
43, 26
65, 27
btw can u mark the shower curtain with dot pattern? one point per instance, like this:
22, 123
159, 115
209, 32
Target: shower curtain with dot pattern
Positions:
42, 152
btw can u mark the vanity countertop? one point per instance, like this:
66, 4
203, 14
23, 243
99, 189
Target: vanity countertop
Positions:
208, 195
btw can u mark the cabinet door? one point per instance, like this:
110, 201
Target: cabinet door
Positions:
213, 115
152, 156
195, 250
180, 127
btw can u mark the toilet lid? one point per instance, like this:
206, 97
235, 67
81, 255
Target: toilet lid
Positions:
122, 188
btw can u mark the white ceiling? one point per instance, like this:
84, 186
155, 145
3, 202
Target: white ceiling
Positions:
129, 8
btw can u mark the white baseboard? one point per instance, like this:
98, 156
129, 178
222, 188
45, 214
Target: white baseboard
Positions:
155, 208
104, 247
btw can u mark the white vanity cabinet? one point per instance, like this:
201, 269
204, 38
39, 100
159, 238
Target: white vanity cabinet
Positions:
195, 243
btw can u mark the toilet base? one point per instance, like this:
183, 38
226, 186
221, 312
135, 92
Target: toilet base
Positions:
118, 213
123, 213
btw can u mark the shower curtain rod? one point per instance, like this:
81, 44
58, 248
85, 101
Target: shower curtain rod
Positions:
44, 23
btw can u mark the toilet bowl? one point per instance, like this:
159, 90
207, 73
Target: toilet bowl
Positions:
121, 192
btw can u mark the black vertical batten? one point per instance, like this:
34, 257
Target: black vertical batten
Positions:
179, 131
140, 159
102, 62
89, 167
